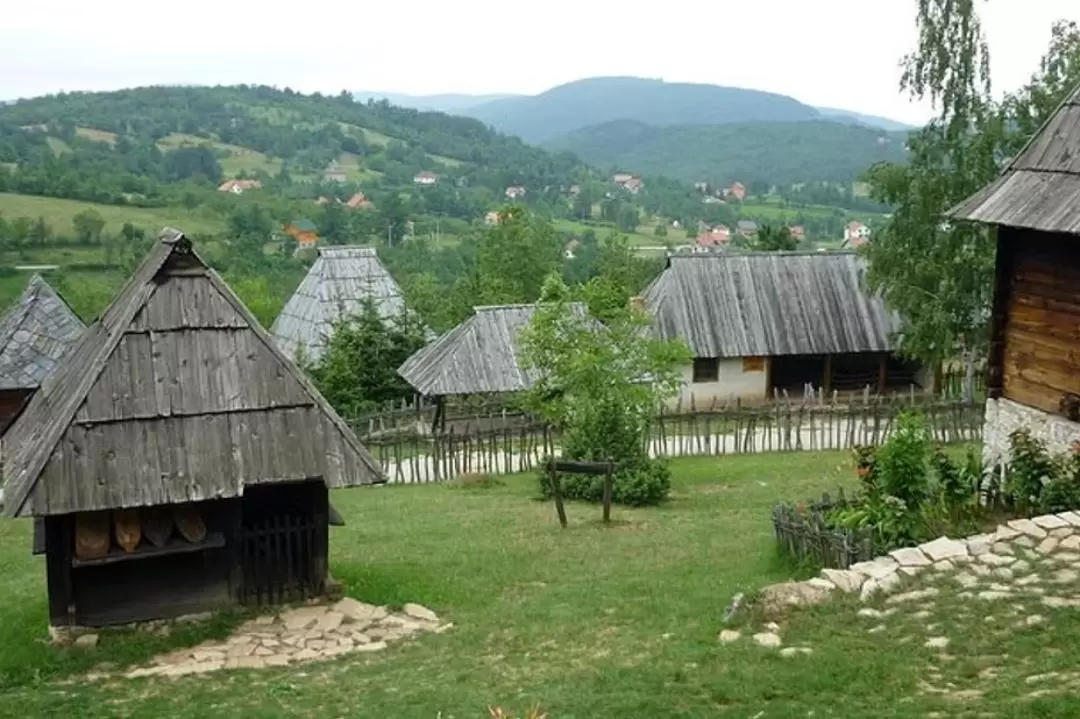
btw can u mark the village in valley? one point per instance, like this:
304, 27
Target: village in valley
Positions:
378, 405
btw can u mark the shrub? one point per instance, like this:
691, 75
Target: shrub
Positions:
901, 466
1030, 470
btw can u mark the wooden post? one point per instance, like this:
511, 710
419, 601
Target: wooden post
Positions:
826, 381
608, 480
883, 368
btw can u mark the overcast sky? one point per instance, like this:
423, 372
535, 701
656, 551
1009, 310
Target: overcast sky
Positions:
839, 53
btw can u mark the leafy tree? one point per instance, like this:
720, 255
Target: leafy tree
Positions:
601, 386
39, 232
773, 238
334, 225
939, 275
660, 230
517, 255
185, 162
357, 371
88, 225
628, 219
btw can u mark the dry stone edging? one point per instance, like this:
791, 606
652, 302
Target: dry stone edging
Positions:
299, 635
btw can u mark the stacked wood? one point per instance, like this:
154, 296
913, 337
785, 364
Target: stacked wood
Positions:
92, 535
126, 526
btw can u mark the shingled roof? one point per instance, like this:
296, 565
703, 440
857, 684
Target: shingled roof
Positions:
479, 356
769, 304
334, 287
35, 335
175, 394
1040, 188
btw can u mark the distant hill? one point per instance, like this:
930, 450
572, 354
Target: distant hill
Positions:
451, 103
882, 123
598, 100
773, 152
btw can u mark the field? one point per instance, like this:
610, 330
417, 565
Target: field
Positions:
58, 213
588, 622
640, 238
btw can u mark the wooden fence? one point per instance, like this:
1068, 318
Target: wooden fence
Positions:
507, 442
802, 534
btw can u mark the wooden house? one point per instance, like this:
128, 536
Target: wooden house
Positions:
763, 323
179, 460
480, 356
35, 336
334, 288
1034, 359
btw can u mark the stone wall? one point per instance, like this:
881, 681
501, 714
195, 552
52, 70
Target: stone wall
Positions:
1003, 416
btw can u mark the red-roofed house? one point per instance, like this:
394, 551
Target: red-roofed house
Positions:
716, 237
798, 233
856, 234
737, 190
359, 202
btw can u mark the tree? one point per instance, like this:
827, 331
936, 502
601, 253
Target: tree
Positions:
39, 232
88, 225
357, 371
773, 238
660, 230
515, 256
628, 218
334, 225
185, 162
601, 386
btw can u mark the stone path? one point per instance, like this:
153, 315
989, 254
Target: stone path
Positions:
304, 634
984, 591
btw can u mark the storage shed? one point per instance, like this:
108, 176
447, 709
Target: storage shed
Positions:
1034, 360
179, 459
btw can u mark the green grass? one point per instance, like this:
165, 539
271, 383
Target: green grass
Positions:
588, 622
636, 238
58, 213
57, 145
448, 161
96, 135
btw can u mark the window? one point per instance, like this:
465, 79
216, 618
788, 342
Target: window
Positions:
706, 369
753, 364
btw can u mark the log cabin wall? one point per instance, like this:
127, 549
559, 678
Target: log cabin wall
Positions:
1040, 361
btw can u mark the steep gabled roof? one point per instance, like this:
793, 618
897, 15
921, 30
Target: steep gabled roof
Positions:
334, 287
1040, 188
769, 303
175, 394
35, 335
479, 356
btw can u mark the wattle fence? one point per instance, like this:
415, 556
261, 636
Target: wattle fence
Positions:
498, 440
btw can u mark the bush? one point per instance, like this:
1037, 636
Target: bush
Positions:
646, 483
1037, 482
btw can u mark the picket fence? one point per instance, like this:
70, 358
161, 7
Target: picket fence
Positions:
505, 442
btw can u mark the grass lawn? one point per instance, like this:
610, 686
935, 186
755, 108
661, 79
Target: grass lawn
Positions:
58, 213
588, 622
638, 238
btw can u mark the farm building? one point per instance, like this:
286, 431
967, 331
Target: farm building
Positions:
179, 460
479, 356
303, 231
334, 288
1034, 361
763, 323
35, 336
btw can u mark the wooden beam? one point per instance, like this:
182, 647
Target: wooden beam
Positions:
1005, 264
826, 380
883, 373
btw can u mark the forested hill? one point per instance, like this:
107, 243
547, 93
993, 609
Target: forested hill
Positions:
598, 100
780, 153
108, 145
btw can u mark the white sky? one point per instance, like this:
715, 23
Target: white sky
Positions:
839, 53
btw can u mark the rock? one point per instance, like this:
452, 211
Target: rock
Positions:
87, 641
1049, 521
1003, 573
1071, 518
358, 611
944, 548
1002, 548
878, 569
1024, 541
979, 544
936, 643
192, 618
1028, 580
1004, 534
965, 580
1066, 557
1048, 545
772, 627
794, 651
869, 589
143, 672
419, 611
944, 565
1062, 533
370, 647
1034, 619
821, 584
734, 607
1037, 678
910, 557
1061, 576
305, 655
728, 636
870, 613
1021, 565
277, 660
913, 596
890, 583
265, 620
330, 621
240, 650
443, 628
843, 579
996, 560
993, 595
302, 618
246, 663
777, 599
208, 655
911, 571
876, 629
1060, 602
1028, 528
767, 639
